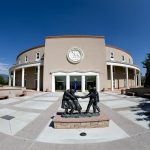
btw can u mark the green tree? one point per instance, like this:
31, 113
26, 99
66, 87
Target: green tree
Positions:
2, 81
146, 64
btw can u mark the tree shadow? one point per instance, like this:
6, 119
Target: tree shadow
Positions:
142, 111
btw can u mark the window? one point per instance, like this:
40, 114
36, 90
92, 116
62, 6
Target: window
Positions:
36, 70
123, 59
38, 56
112, 55
26, 59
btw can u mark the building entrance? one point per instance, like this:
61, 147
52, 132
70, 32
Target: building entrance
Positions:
80, 82
75, 83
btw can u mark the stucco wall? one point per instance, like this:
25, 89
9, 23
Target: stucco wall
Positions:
31, 54
118, 53
55, 57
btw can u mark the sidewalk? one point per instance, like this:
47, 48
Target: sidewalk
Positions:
25, 124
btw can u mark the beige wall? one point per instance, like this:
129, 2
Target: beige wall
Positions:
31, 54
55, 57
118, 53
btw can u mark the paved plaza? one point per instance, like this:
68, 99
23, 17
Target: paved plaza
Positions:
26, 124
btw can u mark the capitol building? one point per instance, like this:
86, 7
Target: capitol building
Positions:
67, 61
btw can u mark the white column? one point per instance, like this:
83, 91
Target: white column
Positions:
98, 83
139, 78
9, 78
135, 78
127, 78
83, 83
14, 77
22, 77
67, 82
38, 78
53, 83
112, 77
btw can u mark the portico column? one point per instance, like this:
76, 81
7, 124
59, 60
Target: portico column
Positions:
22, 77
14, 77
53, 83
83, 83
112, 77
67, 82
38, 78
127, 78
9, 78
139, 78
97, 83
135, 78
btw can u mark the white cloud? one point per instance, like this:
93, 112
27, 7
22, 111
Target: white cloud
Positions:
4, 68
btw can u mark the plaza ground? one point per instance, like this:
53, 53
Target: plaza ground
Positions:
25, 124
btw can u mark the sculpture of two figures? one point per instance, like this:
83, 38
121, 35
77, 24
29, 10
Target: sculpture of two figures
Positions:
70, 101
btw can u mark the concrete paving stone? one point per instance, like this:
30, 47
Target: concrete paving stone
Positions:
20, 120
127, 125
52, 99
5, 126
8, 101
137, 117
143, 139
13, 143
2, 137
6, 111
43, 146
119, 103
34, 105
69, 136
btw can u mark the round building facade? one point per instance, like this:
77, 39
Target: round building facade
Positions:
77, 62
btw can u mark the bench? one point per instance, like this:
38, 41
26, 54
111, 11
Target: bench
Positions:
3, 97
130, 93
147, 95
21, 94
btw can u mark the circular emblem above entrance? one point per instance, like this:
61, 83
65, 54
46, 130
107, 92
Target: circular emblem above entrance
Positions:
75, 55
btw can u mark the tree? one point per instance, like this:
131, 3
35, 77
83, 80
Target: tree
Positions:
146, 64
2, 81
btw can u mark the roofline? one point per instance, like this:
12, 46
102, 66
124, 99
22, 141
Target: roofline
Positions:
111, 46
30, 50
74, 36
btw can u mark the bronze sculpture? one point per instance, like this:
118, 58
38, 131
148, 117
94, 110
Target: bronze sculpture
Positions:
70, 101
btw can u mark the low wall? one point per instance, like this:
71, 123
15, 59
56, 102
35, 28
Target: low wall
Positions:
139, 91
11, 91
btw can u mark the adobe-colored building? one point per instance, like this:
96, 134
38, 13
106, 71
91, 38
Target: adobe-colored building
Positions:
75, 62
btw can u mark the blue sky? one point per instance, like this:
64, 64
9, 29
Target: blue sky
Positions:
26, 23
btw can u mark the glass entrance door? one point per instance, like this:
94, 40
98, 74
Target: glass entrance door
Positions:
60, 83
90, 81
75, 83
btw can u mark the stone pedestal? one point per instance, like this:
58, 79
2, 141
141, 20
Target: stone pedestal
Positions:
100, 121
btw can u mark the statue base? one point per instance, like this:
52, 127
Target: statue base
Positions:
94, 121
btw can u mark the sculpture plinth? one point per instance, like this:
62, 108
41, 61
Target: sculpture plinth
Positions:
99, 121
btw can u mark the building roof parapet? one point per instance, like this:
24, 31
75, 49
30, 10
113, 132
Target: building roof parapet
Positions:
29, 64
75, 36
123, 63
111, 46
30, 50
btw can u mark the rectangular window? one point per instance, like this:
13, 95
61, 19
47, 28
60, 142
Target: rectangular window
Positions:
123, 59
112, 55
36, 70
26, 59
37, 56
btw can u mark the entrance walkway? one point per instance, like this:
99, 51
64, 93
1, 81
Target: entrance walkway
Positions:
25, 124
